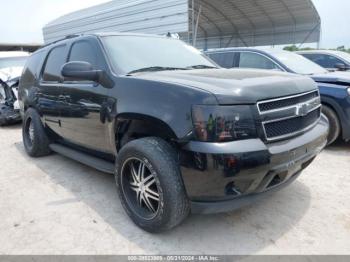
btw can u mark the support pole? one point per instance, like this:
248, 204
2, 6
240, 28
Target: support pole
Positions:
196, 29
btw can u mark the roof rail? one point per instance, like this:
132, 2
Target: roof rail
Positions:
65, 38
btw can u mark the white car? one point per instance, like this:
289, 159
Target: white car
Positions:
11, 66
12, 63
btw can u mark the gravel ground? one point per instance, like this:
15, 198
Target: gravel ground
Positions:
54, 205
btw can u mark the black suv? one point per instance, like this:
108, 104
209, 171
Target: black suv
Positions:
179, 133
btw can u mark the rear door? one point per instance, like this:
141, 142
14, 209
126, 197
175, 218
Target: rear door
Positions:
82, 117
49, 96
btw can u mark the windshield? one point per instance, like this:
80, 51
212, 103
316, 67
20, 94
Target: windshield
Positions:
298, 64
133, 53
12, 62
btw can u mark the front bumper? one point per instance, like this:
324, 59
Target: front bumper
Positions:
219, 177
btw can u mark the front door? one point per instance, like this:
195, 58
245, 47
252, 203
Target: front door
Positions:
82, 117
50, 98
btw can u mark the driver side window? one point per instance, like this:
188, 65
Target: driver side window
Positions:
84, 51
253, 60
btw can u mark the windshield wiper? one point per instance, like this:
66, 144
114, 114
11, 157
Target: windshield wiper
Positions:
201, 67
155, 69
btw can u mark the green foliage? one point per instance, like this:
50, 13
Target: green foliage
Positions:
291, 48
294, 48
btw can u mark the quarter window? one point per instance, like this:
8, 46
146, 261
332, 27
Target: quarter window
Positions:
54, 63
252, 60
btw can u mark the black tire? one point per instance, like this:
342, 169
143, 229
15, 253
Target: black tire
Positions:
160, 159
334, 124
36, 144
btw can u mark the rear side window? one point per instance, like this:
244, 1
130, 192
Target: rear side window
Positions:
32, 68
223, 59
56, 59
253, 60
84, 51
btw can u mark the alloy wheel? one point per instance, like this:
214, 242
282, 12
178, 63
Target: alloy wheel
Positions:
31, 131
140, 187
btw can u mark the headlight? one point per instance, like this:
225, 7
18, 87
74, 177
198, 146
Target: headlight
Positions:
349, 91
223, 123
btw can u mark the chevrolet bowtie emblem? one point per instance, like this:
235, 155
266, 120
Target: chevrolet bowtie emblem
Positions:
302, 109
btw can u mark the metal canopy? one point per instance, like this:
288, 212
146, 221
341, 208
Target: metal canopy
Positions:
230, 23
204, 23
19, 47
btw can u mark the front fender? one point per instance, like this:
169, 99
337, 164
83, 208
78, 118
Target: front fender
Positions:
337, 98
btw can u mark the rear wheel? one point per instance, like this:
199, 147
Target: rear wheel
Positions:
36, 142
150, 185
334, 124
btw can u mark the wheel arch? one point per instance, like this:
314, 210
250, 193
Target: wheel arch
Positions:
326, 101
131, 126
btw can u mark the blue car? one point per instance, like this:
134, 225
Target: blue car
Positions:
329, 59
334, 86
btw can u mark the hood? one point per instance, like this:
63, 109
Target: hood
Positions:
341, 78
236, 86
10, 73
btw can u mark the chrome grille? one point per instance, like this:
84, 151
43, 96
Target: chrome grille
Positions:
289, 116
285, 102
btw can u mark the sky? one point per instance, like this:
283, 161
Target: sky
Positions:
21, 21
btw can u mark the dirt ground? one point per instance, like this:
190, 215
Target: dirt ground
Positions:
54, 205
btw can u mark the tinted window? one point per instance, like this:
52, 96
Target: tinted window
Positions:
326, 61
84, 51
253, 60
223, 59
33, 67
55, 61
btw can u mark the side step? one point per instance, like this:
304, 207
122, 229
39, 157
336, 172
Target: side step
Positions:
94, 162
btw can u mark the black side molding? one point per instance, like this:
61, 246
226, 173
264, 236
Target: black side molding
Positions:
94, 162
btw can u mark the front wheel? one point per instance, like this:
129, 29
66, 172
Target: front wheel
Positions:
334, 124
150, 185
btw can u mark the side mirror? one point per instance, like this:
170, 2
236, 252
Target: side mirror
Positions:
80, 71
341, 67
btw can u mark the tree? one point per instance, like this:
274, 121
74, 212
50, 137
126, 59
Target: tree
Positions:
291, 48
294, 48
